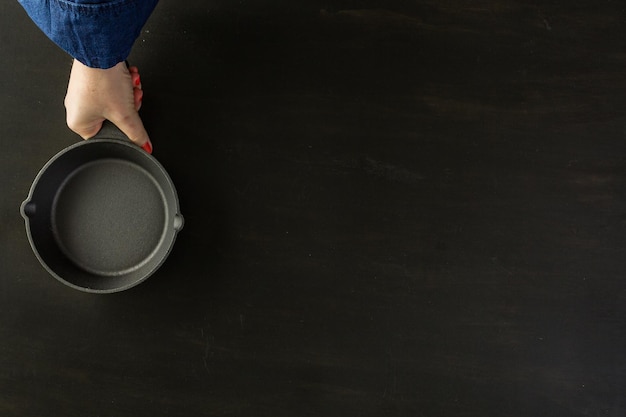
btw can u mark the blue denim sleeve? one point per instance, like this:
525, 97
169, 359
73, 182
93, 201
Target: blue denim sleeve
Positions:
98, 33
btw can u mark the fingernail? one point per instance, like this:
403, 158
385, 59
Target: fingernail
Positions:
137, 81
147, 147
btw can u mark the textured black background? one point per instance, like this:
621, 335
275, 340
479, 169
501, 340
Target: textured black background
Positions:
399, 208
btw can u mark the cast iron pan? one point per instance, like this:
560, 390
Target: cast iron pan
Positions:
102, 215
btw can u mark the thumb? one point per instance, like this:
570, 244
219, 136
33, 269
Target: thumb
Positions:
132, 126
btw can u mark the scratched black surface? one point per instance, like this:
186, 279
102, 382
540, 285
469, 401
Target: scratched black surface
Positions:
392, 209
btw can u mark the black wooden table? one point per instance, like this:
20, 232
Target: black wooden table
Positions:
392, 209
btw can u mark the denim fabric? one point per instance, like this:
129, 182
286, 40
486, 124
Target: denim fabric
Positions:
98, 33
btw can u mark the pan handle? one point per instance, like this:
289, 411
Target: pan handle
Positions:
110, 131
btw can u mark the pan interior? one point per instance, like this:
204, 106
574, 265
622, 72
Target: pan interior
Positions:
109, 217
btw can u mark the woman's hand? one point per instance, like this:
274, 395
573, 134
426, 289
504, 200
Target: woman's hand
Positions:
114, 94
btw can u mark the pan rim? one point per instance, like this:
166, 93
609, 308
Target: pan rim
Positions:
172, 215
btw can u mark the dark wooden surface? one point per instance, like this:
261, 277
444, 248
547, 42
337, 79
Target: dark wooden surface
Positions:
392, 209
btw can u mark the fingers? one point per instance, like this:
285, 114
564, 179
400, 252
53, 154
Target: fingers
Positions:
137, 90
138, 97
116, 94
132, 126
135, 77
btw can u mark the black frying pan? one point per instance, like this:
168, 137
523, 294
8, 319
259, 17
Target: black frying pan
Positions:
102, 215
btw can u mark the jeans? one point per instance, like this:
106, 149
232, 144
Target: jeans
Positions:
98, 33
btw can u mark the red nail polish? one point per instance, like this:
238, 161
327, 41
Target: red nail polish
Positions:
147, 147
137, 81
